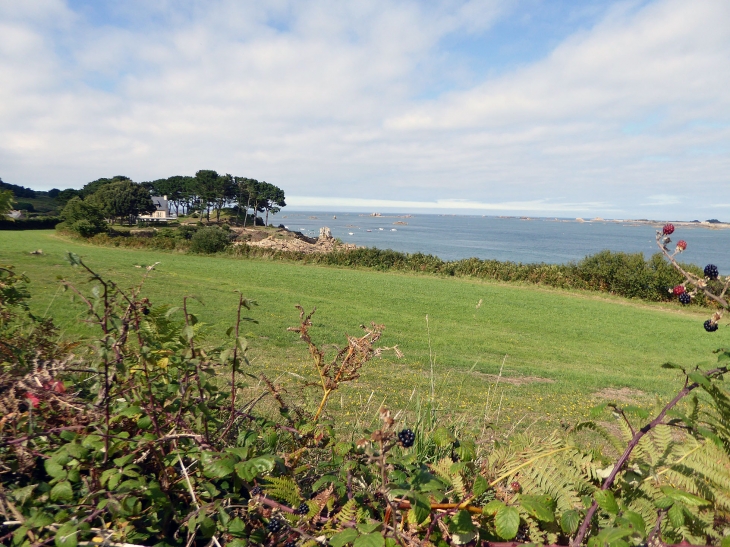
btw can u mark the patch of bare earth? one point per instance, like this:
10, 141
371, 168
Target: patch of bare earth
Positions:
514, 380
622, 395
284, 240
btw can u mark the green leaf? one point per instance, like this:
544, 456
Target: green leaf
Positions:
207, 527
480, 486
369, 540
606, 501
684, 497
421, 506
698, 378
664, 503
673, 365
369, 527
219, 469
635, 521
54, 469
255, 467
342, 538
442, 437
188, 332
237, 527
461, 523
22, 495
492, 507
538, 507
676, 515
507, 522
725, 542
62, 491
67, 535
466, 451
569, 521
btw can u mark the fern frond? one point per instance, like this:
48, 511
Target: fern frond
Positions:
284, 489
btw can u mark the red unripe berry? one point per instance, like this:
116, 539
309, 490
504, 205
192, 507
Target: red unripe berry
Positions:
668, 229
679, 289
681, 245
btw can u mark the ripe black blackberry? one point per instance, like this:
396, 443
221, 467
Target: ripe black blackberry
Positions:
303, 509
711, 271
275, 525
406, 437
290, 544
684, 298
710, 326
255, 491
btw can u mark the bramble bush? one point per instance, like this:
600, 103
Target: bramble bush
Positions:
143, 437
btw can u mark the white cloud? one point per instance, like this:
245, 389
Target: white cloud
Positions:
320, 97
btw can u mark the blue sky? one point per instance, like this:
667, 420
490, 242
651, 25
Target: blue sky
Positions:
590, 108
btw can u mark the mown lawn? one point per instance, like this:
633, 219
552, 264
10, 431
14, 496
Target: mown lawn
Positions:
563, 351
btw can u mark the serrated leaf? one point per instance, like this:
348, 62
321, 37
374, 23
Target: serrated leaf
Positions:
237, 527
480, 486
188, 332
369, 540
664, 503
684, 497
492, 507
252, 468
343, 538
62, 491
22, 495
66, 536
606, 501
537, 507
569, 521
635, 520
369, 527
507, 522
219, 469
54, 469
421, 506
676, 515
442, 437
466, 451
698, 378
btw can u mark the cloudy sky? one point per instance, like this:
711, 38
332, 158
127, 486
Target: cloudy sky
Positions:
538, 107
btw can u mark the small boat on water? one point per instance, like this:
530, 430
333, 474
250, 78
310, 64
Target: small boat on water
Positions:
350, 234
368, 230
393, 230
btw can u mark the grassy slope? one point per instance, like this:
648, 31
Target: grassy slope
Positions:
582, 342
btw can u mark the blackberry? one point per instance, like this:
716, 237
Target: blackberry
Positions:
668, 229
290, 544
710, 326
681, 245
679, 289
275, 525
406, 437
684, 298
256, 490
146, 311
303, 509
711, 271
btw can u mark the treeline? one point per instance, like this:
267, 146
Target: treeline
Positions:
205, 193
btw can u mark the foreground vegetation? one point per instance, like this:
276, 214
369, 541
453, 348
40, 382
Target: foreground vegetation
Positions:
146, 434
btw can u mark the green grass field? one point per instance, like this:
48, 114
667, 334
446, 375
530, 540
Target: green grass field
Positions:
565, 351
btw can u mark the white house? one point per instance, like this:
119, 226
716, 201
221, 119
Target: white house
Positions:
162, 214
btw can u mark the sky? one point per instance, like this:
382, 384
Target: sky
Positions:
617, 109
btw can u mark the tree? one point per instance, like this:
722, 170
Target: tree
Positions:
64, 196
122, 199
94, 186
213, 190
6, 202
272, 199
83, 217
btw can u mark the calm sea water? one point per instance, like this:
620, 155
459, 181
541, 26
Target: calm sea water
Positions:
514, 239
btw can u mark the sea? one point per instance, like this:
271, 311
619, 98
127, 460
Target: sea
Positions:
515, 239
